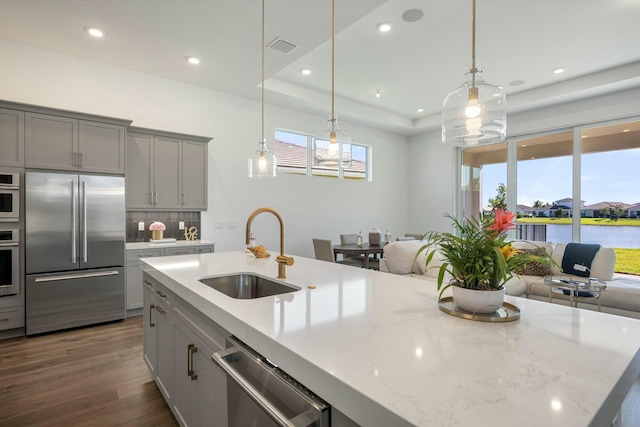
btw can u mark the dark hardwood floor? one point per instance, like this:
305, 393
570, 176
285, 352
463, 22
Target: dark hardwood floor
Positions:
93, 376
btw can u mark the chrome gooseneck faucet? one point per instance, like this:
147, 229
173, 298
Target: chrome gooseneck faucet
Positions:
281, 259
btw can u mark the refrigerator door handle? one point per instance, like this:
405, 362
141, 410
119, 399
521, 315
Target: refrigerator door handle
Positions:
75, 276
85, 255
74, 225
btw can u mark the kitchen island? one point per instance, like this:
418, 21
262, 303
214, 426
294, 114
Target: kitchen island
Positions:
377, 348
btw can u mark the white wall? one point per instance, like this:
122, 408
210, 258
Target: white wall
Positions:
433, 166
311, 206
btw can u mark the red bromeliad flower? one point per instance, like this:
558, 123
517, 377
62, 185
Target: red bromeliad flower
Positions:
503, 221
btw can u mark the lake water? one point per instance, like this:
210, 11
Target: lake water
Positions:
610, 236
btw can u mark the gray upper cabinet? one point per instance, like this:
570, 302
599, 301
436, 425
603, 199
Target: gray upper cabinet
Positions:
166, 171
194, 175
11, 137
51, 142
63, 143
45, 138
101, 147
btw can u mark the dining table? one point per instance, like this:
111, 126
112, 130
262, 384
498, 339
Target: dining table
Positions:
364, 249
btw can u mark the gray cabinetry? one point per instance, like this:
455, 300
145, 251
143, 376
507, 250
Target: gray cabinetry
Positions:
65, 143
46, 138
158, 336
135, 268
51, 142
11, 138
166, 171
196, 390
194, 169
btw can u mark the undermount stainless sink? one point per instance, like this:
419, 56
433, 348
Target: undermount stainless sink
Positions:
247, 286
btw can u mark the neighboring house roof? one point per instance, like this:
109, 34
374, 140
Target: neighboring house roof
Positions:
603, 205
295, 156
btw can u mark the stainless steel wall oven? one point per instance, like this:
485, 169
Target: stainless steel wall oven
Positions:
9, 196
9, 262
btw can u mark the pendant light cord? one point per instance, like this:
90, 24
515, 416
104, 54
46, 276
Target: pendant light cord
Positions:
262, 70
473, 43
333, 36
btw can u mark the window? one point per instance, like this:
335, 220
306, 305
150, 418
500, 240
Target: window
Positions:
574, 185
299, 153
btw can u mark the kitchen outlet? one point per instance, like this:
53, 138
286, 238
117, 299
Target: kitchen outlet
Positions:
232, 224
218, 225
181, 225
141, 226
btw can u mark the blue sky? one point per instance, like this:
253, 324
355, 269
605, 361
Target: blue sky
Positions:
612, 176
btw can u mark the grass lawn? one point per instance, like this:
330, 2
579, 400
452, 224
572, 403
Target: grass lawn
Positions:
633, 222
627, 261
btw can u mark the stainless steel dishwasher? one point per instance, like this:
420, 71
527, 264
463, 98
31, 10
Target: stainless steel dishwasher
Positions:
261, 394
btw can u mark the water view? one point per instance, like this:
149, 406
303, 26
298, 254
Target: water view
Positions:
607, 236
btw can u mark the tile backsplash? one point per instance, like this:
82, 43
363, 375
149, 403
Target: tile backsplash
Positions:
170, 219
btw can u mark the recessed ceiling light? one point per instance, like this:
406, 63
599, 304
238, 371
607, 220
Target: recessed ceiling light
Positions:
384, 27
558, 70
95, 32
193, 60
420, 110
305, 71
377, 94
516, 83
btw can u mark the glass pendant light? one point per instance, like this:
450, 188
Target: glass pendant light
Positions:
329, 143
262, 163
475, 113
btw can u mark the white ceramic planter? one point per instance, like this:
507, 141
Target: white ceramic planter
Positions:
476, 301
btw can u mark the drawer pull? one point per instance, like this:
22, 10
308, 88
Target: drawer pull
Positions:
160, 309
161, 294
148, 283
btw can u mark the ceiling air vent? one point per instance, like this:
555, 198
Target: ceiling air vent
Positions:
281, 45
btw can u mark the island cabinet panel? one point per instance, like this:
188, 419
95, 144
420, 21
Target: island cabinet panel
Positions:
70, 144
150, 330
194, 387
166, 171
11, 137
185, 402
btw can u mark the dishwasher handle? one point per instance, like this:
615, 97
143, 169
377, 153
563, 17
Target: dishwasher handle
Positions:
220, 359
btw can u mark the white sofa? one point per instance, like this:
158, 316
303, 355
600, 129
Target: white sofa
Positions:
622, 296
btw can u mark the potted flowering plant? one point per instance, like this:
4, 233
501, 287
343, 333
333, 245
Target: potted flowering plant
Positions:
157, 229
477, 257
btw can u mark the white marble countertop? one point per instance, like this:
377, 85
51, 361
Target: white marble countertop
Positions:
178, 243
376, 346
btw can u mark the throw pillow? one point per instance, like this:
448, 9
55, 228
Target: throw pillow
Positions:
534, 268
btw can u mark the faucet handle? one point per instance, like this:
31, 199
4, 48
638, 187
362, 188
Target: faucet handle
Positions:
283, 259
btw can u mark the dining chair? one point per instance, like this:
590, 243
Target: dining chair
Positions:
323, 249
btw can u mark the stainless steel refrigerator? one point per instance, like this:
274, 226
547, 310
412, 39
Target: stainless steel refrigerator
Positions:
75, 250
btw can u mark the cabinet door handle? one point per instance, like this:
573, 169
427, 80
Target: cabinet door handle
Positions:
155, 198
184, 199
151, 198
80, 162
191, 348
151, 307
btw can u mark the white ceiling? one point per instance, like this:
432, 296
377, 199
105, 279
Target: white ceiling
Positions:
414, 65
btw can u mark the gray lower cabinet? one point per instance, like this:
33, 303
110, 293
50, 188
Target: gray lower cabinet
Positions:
166, 171
135, 267
71, 144
11, 137
195, 388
